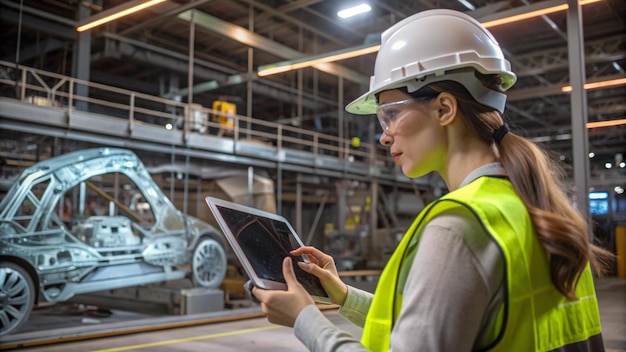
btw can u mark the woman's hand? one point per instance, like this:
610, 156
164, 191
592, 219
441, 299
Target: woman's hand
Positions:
283, 307
323, 266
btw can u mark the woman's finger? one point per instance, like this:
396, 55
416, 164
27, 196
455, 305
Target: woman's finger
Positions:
308, 250
288, 273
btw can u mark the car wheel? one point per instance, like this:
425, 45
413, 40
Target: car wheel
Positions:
209, 263
17, 297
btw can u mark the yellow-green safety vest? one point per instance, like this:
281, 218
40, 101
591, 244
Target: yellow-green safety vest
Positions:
535, 316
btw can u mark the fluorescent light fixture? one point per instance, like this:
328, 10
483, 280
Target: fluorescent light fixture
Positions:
285, 66
115, 13
290, 65
598, 195
467, 4
355, 10
607, 123
594, 85
531, 14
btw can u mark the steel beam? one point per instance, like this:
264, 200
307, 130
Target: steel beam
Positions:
245, 37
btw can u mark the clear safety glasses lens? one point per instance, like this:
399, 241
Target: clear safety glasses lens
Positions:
391, 111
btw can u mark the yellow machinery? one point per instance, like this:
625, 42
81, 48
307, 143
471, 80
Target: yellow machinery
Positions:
225, 113
620, 244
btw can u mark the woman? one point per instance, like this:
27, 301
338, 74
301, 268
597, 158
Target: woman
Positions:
501, 262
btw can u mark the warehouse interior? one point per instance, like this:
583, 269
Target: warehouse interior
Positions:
180, 84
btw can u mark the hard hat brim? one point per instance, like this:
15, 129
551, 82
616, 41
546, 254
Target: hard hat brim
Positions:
366, 104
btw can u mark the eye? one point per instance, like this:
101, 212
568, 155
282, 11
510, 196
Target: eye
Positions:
391, 113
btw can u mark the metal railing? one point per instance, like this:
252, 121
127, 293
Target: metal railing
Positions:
50, 89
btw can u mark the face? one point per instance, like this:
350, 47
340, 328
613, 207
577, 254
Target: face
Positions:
414, 135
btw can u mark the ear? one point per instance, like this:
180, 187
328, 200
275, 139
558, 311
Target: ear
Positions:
447, 106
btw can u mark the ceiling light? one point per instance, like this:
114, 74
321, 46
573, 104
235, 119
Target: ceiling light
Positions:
115, 13
592, 154
608, 165
607, 123
467, 4
617, 67
602, 84
353, 11
531, 14
597, 195
285, 66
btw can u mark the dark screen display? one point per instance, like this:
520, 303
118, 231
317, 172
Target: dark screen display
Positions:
266, 242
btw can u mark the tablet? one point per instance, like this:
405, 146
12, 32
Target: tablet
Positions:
261, 241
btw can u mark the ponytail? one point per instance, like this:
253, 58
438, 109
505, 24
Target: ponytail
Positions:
561, 229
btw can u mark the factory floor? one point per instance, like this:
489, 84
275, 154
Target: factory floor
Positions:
256, 334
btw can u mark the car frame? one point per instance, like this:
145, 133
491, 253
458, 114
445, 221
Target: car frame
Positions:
42, 258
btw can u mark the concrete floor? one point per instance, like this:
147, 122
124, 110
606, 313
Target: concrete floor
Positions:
259, 335
612, 300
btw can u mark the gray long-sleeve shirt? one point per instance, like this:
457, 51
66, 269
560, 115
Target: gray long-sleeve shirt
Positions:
451, 295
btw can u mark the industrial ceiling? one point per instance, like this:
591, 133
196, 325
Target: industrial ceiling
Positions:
150, 51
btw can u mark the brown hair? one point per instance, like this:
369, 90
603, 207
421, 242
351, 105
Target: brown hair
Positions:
536, 177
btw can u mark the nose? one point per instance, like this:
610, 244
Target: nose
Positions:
385, 139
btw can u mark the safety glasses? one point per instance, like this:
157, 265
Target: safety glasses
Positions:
389, 112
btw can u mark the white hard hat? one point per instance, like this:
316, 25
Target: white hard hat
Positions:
433, 46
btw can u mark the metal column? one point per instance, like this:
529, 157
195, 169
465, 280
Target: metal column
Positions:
82, 59
299, 204
375, 242
249, 81
279, 188
250, 198
342, 205
340, 110
580, 149
189, 111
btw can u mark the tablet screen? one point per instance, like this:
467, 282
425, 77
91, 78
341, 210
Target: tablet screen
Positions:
266, 242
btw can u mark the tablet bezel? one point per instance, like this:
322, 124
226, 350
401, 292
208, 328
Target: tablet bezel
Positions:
213, 202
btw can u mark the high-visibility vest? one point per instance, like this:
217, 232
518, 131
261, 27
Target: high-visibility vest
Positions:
534, 316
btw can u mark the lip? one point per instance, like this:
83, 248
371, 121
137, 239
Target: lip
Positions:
396, 156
